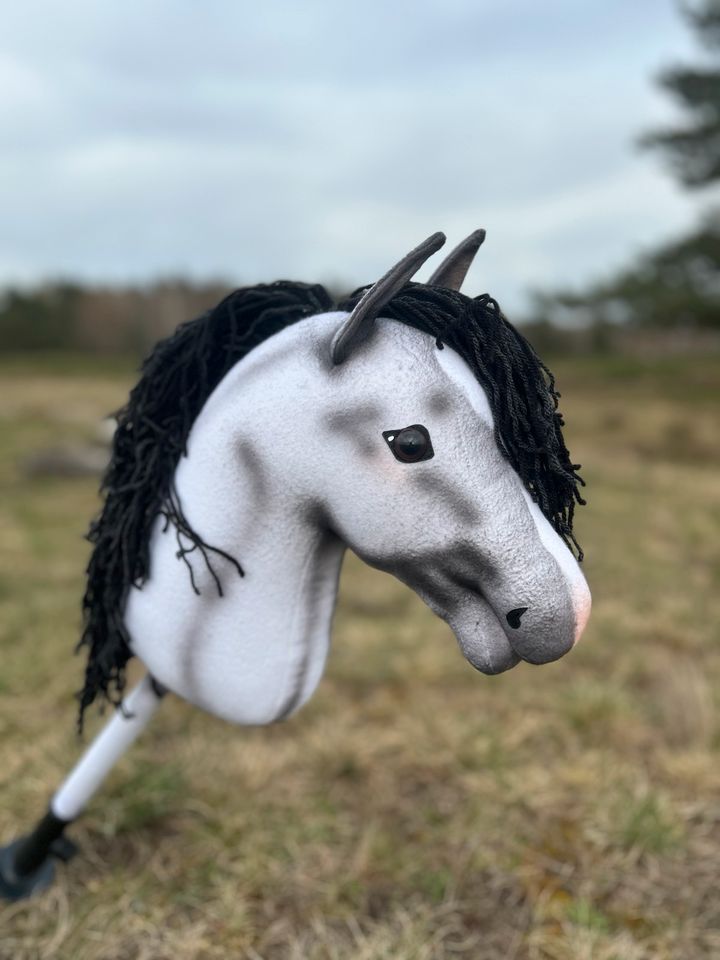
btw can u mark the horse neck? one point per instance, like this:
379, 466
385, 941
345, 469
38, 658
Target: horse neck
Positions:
240, 492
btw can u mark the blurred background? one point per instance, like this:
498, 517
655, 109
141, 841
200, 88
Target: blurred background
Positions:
155, 156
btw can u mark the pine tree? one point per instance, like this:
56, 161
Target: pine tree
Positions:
675, 286
693, 149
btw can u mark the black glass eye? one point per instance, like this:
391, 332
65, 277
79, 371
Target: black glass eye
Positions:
410, 444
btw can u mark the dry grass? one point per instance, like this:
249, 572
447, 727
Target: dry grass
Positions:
414, 809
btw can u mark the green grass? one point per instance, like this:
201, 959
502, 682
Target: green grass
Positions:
414, 810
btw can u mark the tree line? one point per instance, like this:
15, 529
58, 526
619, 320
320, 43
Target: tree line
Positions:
101, 319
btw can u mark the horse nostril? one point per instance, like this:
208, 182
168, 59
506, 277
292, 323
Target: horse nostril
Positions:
513, 617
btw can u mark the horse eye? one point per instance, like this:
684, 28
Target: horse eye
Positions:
411, 444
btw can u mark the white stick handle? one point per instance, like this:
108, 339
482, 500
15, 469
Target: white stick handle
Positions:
107, 748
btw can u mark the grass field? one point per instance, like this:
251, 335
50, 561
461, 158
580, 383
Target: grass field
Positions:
414, 809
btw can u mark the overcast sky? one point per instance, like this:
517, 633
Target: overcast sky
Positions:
320, 140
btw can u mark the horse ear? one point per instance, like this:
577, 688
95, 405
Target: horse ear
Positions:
358, 324
455, 266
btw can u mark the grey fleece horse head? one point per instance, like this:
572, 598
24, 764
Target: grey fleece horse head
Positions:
438, 503
414, 425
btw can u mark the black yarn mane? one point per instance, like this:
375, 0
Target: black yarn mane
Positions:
152, 431
183, 370
519, 387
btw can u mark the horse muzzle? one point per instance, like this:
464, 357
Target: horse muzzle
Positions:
495, 635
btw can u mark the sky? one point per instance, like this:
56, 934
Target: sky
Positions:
320, 141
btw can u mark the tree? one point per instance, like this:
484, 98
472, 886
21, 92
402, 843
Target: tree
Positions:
675, 286
694, 148
678, 285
